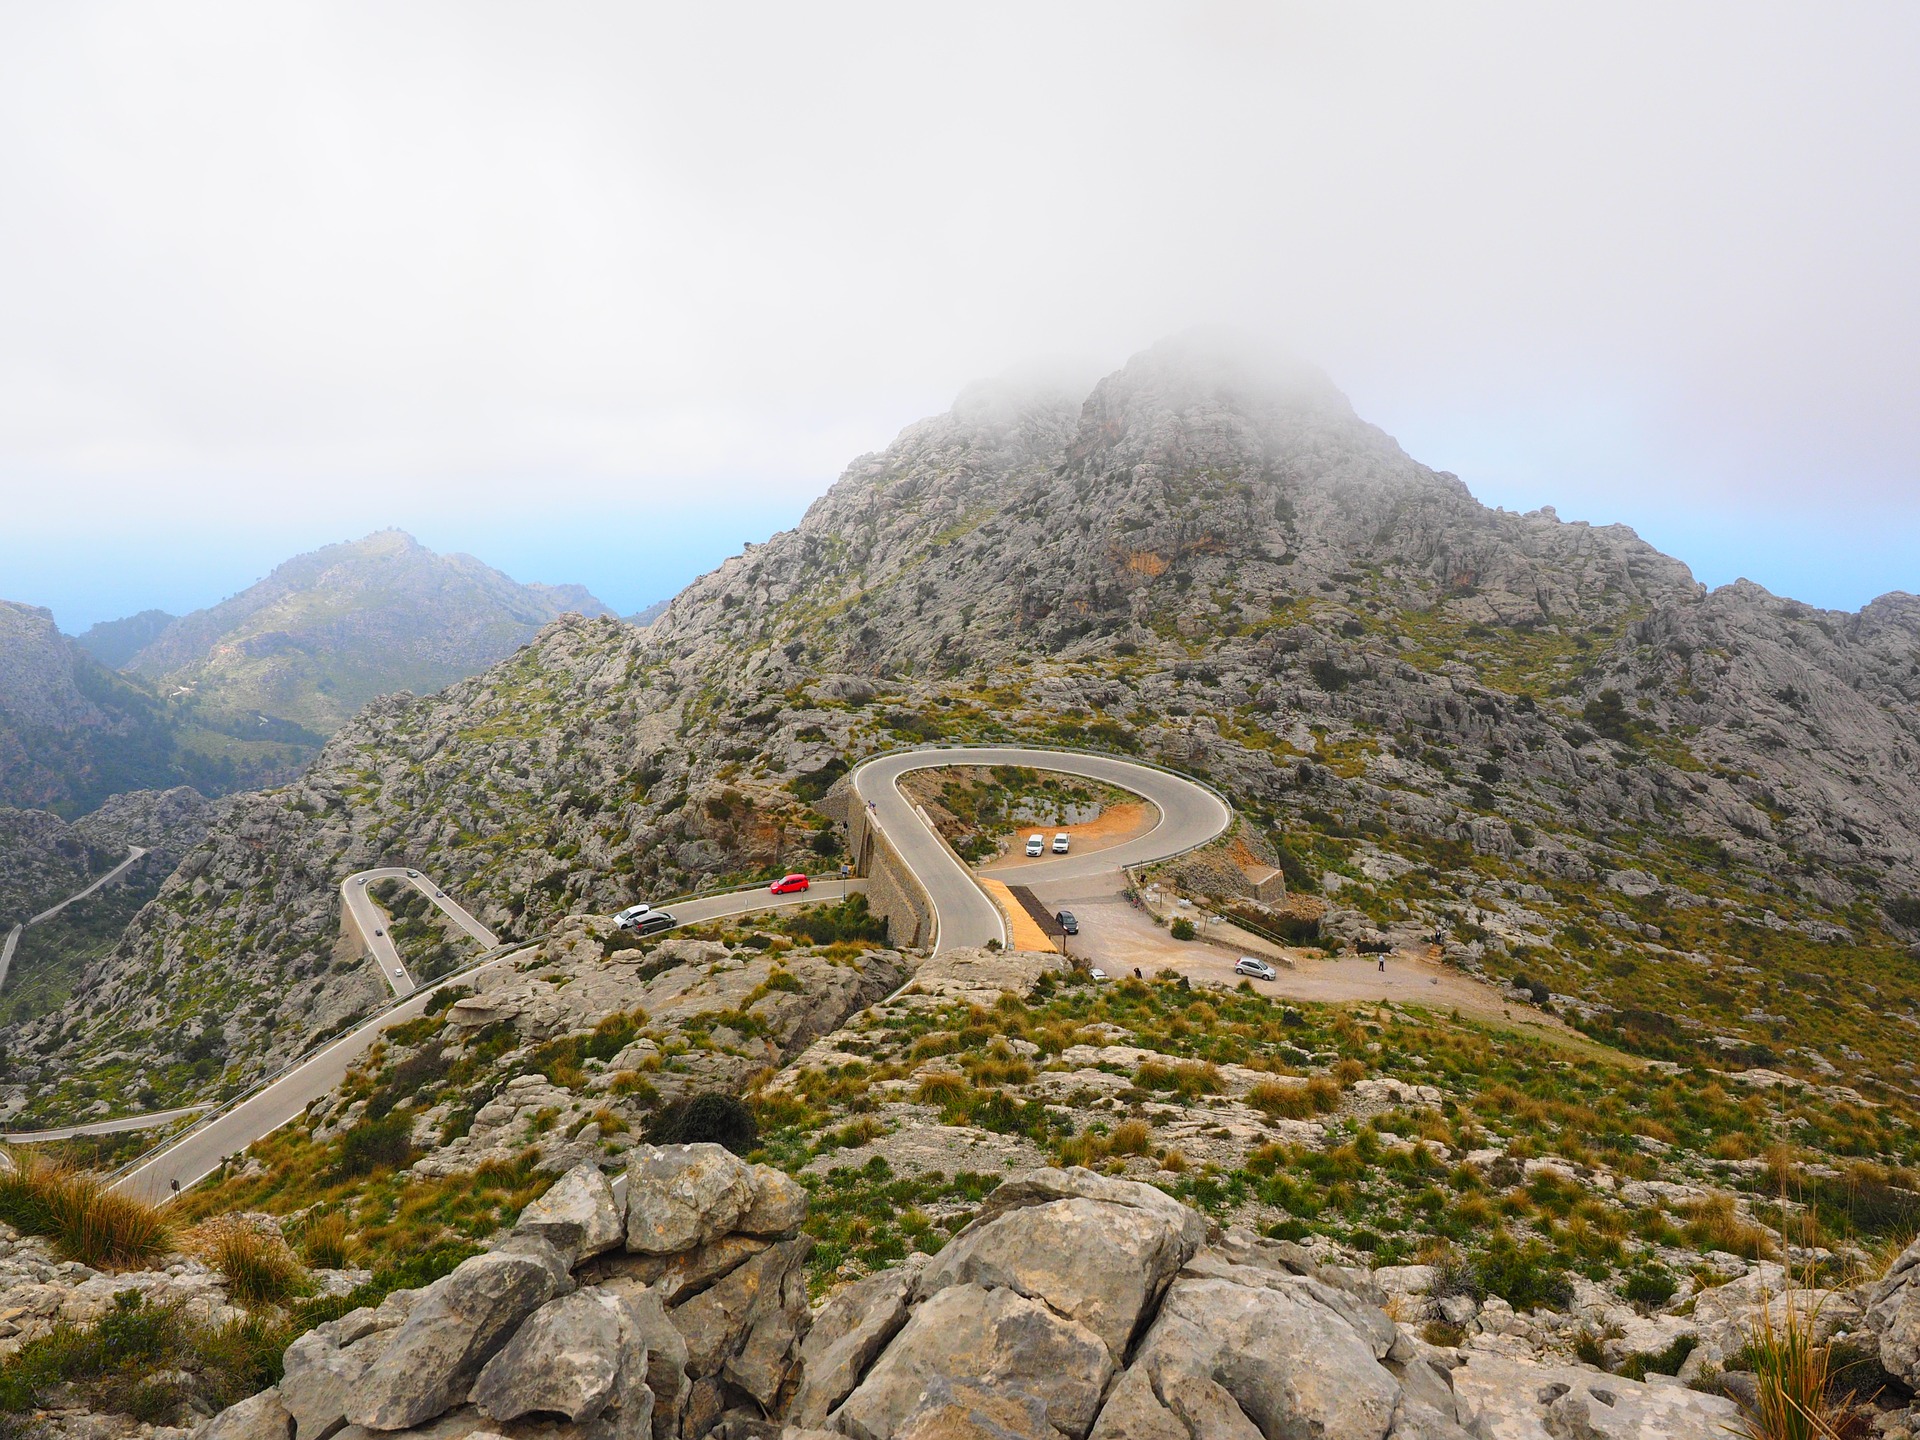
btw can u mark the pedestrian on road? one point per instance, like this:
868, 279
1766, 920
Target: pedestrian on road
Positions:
1383, 964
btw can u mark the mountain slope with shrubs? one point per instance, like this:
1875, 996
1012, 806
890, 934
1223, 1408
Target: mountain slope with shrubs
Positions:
1685, 818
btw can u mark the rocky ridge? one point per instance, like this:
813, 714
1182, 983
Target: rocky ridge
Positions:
1541, 740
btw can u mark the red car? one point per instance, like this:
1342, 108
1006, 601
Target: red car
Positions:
789, 886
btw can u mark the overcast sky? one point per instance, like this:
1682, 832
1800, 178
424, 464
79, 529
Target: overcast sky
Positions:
600, 291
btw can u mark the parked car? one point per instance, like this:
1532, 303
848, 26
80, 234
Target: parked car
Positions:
1258, 969
653, 922
1036, 845
1097, 973
1068, 923
789, 885
1061, 842
631, 916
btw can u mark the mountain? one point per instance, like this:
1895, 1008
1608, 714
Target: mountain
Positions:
114, 642
71, 731
328, 631
1690, 817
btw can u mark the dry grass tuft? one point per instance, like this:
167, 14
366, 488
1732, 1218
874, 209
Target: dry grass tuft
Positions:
1792, 1371
259, 1267
86, 1221
326, 1241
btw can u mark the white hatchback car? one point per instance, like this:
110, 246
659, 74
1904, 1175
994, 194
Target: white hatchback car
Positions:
1036, 845
1061, 842
1258, 969
631, 916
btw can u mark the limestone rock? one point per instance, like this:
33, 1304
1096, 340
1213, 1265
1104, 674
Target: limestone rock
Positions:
1504, 1399
456, 1326
849, 1331
680, 1196
779, 1203
1098, 1263
994, 1339
1275, 1355
259, 1417
578, 1216
563, 1360
746, 1326
1893, 1314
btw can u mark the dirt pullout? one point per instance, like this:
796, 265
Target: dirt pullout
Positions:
1119, 938
1115, 825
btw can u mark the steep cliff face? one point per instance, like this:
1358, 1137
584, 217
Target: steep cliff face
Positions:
1539, 738
71, 731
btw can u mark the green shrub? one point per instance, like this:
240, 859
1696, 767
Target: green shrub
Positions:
1652, 1287
380, 1144
1181, 929
706, 1119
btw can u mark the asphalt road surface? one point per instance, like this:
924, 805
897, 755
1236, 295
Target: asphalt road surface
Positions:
1190, 815
373, 925
150, 1121
197, 1153
7, 947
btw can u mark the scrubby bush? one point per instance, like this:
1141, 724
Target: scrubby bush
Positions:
706, 1119
1652, 1287
1182, 929
382, 1144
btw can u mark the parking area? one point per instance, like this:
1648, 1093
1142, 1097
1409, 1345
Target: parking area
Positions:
1120, 938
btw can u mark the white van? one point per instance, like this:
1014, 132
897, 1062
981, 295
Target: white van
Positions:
1061, 842
1036, 845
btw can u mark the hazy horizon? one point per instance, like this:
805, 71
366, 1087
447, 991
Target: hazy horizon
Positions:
598, 295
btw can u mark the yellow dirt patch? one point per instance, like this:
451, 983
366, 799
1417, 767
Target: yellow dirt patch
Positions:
1026, 934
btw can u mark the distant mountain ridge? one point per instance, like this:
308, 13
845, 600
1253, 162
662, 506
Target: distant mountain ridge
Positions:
328, 631
114, 642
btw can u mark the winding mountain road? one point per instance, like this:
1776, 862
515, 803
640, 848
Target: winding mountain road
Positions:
7, 947
198, 1152
373, 924
1190, 816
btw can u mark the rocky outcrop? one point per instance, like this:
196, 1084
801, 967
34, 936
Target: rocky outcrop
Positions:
633, 1328
1074, 1306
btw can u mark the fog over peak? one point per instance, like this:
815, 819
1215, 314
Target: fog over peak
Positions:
534, 283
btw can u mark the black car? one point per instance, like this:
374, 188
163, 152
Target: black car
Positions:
653, 922
1068, 923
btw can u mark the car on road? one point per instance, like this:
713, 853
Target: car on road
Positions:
654, 921
1067, 923
631, 916
1097, 973
1257, 969
378, 931
1061, 842
1036, 845
789, 885
413, 874
399, 974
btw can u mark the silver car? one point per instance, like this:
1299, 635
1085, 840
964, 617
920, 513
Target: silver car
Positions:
1256, 969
